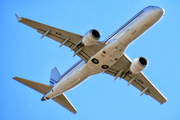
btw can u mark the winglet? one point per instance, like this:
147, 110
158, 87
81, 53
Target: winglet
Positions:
18, 18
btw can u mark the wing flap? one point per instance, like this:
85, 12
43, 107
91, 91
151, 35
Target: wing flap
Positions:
141, 82
60, 35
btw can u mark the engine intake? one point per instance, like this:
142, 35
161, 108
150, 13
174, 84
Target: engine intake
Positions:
138, 65
91, 37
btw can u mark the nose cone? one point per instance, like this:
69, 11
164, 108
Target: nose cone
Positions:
159, 11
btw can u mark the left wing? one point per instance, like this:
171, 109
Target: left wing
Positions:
68, 39
140, 81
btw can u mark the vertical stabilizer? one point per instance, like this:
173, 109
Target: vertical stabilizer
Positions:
55, 76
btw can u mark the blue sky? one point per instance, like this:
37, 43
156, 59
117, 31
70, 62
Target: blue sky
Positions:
24, 54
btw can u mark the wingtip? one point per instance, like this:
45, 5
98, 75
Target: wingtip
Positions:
14, 78
18, 18
164, 101
74, 112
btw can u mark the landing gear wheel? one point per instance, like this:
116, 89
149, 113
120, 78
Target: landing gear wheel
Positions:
95, 61
105, 66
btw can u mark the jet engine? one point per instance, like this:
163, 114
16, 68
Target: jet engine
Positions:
91, 37
138, 65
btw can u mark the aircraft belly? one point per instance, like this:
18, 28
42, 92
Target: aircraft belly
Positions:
114, 50
105, 57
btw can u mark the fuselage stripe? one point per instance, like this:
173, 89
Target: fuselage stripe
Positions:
124, 25
69, 70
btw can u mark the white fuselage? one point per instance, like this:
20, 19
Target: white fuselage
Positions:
110, 54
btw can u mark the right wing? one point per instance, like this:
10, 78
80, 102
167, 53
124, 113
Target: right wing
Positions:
140, 81
61, 36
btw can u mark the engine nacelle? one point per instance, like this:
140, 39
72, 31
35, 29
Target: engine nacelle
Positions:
138, 65
91, 37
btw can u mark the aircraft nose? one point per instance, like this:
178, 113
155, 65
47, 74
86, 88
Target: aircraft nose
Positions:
159, 11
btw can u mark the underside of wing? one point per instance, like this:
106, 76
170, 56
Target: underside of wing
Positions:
140, 81
66, 38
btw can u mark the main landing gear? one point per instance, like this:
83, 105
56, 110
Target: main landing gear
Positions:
105, 66
96, 61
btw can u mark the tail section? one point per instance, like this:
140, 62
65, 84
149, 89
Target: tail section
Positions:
55, 76
63, 100
42, 88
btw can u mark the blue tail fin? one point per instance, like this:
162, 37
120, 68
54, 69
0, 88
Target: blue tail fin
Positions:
55, 76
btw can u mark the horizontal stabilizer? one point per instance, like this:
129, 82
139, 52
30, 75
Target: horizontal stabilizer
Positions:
63, 100
42, 88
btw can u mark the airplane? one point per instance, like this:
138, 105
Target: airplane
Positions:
98, 57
